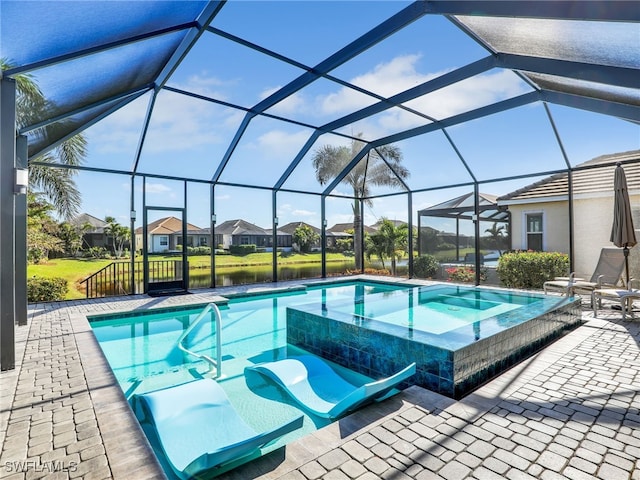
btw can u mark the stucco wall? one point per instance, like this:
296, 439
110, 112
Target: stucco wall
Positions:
555, 225
592, 229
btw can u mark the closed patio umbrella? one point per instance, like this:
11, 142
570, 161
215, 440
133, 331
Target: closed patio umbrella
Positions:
622, 233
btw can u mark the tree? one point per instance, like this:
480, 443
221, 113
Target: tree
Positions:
72, 237
118, 233
428, 240
380, 167
57, 184
42, 230
304, 236
496, 235
390, 241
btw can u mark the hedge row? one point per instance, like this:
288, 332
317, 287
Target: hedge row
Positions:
531, 269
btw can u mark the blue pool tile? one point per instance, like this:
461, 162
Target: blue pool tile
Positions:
380, 350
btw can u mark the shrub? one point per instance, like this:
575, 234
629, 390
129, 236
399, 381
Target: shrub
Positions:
445, 246
531, 269
425, 266
98, 252
242, 249
199, 250
465, 274
46, 289
369, 271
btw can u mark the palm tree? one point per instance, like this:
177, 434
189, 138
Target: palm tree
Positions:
329, 161
57, 184
390, 242
496, 234
118, 233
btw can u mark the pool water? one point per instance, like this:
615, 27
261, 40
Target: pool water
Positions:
142, 345
141, 348
435, 309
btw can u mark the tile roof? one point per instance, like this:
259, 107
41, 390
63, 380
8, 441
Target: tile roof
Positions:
97, 225
167, 226
239, 227
292, 226
586, 180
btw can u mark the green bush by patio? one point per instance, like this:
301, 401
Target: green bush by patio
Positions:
531, 269
46, 289
425, 266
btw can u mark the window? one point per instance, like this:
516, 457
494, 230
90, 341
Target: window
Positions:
203, 242
164, 241
534, 232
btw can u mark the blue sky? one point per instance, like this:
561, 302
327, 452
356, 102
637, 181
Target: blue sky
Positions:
188, 137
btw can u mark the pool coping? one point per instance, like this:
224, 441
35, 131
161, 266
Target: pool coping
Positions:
121, 433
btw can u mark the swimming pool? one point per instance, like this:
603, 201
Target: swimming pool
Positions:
141, 348
458, 336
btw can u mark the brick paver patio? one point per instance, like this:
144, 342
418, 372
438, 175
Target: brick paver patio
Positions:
571, 411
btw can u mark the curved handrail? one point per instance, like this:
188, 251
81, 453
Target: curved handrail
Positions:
212, 363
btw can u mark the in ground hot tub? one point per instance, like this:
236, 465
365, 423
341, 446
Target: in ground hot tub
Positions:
459, 336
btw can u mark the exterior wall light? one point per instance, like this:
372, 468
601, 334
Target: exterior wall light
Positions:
21, 181
213, 218
275, 221
132, 215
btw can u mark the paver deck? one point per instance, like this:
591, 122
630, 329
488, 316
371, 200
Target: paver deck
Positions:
571, 411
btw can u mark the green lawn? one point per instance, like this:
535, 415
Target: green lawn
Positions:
72, 269
75, 270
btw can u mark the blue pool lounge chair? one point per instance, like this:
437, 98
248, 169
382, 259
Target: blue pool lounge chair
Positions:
199, 429
320, 390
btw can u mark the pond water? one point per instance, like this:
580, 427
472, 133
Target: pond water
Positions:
201, 278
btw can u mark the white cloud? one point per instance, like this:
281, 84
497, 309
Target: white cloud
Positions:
469, 94
204, 84
293, 104
178, 123
120, 131
303, 213
281, 144
400, 74
156, 188
385, 79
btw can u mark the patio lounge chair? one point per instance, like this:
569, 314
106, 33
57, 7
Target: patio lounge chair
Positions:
470, 259
608, 273
320, 390
199, 429
624, 296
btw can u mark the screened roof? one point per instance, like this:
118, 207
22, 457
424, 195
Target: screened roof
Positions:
252, 87
464, 208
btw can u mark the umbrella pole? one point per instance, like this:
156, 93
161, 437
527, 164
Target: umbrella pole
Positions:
625, 250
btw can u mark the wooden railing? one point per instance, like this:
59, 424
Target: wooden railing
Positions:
115, 278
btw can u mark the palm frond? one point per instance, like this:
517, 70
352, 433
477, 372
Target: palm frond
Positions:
58, 186
73, 151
